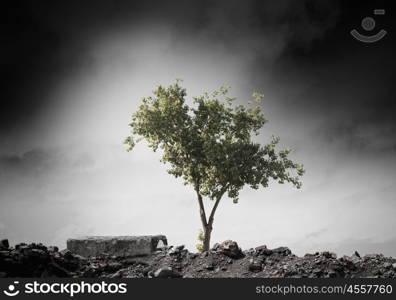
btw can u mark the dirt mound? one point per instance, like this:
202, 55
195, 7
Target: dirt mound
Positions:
223, 260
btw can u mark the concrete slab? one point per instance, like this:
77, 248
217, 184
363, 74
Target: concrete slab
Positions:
115, 245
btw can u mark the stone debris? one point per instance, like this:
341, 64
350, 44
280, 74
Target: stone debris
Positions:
36, 260
255, 265
166, 272
229, 248
223, 260
263, 250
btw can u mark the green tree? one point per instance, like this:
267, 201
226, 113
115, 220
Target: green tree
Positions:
209, 145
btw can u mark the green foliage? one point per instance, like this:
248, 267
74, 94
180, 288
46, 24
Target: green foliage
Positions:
200, 238
209, 144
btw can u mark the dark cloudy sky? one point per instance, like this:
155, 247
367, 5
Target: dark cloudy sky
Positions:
74, 71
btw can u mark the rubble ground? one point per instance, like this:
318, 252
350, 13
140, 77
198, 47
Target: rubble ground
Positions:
223, 260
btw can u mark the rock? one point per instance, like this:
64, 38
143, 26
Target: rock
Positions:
348, 262
255, 266
18, 246
4, 244
377, 272
112, 267
282, 250
66, 253
209, 266
173, 251
290, 272
115, 245
166, 272
356, 258
35, 260
332, 273
336, 266
229, 248
55, 269
179, 250
79, 257
193, 255
38, 253
117, 274
204, 254
387, 265
328, 254
181, 247
4, 253
53, 249
317, 271
263, 250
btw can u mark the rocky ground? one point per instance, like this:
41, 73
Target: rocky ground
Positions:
223, 260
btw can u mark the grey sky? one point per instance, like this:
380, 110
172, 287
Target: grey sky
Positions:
65, 172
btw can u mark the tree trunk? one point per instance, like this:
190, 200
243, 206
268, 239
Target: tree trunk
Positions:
207, 224
208, 227
207, 233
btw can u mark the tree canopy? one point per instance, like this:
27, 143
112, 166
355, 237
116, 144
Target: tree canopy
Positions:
209, 143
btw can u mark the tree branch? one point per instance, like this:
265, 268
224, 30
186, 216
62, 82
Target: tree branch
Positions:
211, 217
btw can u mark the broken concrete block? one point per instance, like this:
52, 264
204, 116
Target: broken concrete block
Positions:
116, 245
